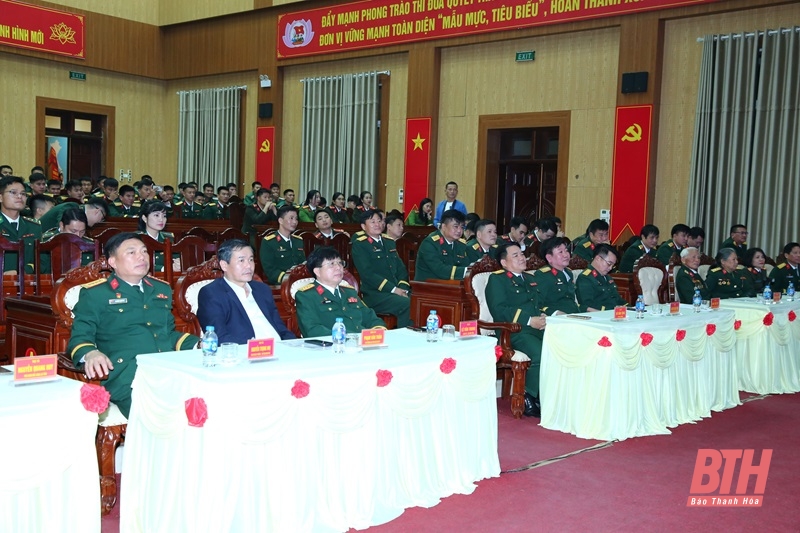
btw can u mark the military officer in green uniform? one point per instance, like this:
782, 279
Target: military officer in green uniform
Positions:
72, 221
320, 303
281, 250
250, 198
15, 227
596, 233
484, 242
96, 210
511, 296
443, 253
188, 206
120, 317
127, 206
737, 240
384, 278
554, 282
152, 221
306, 212
680, 234
688, 279
594, 288
645, 244
787, 271
219, 209
258, 214
726, 280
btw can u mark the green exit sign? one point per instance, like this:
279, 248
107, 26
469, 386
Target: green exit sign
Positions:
80, 76
525, 56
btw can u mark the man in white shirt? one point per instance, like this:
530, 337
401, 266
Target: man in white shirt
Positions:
238, 307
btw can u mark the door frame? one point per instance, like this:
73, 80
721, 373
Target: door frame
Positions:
107, 146
489, 129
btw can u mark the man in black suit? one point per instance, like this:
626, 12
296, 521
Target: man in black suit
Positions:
239, 308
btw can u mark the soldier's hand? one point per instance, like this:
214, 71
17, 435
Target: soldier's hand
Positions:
113, 196
97, 364
538, 322
400, 292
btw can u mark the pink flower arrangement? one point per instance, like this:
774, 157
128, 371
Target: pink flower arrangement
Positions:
647, 338
737, 324
300, 389
680, 335
711, 329
792, 316
196, 412
768, 318
604, 342
94, 398
384, 377
498, 352
448, 365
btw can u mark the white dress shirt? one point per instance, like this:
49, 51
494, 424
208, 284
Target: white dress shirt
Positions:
261, 326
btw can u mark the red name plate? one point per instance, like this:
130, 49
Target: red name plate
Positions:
258, 349
468, 328
674, 308
372, 337
620, 312
41, 367
714, 303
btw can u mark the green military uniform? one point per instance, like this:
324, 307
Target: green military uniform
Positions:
740, 250
44, 257
29, 231
512, 298
51, 219
556, 290
249, 199
254, 216
306, 214
724, 284
686, 281
122, 321
339, 216
436, 259
755, 281
334, 232
194, 210
781, 275
318, 309
57, 198
634, 252
216, 211
597, 291
414, 219
163, 236
584, 248
475, 251
279, 255
381, 270
119, 210
666, 251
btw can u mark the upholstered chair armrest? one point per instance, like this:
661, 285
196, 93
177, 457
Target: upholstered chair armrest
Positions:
68, 369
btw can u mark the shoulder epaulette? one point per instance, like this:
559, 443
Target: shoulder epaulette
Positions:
740, 267
29, 219
269, 237
641, 246
462, 240
157, 279
296, 237
587, 244
435, 237
361, 238
501, 271
346, 285
715, 269
544, 269
306, 287
94, 283
781, 265
359, 232
587, 272
168, 234
178, 203
671, 244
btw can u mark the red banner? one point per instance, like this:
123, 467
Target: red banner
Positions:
631, 169
41, 29
265, 154
375, 23
418, 157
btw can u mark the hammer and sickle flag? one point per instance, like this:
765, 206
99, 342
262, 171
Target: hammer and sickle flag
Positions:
633, 133
265, 146
265, 154
630, 173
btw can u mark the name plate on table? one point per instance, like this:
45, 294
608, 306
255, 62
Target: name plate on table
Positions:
35, 369
620, 312
260, 349
674, 308
715, 303
372, 337
468, 328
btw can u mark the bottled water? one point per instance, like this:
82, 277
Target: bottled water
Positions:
432, 327
640, 307
338, 335
767, 293
697, 300
209, 344
790, 291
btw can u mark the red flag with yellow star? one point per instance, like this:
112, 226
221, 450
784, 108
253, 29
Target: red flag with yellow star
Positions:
418, 155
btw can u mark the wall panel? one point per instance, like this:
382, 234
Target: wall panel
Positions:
176, 11
140, 11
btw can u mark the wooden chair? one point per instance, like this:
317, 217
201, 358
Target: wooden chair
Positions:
103, 236
66, 252
236, 211
193, 250
534, 263
650, 280
232, 233
672, 270
10, 246
577, 262
341, 243
407, 247
202, 233
512, 365
188, 287
154, 248
111, 425
309, 242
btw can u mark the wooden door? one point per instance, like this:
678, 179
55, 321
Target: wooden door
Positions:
84, 160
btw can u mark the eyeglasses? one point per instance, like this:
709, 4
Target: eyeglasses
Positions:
18, 194
334, 264
742, 232
609, 263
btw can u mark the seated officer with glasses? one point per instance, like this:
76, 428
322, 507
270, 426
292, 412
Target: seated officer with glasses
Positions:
15, 227
594, 288
737, 241
320, 303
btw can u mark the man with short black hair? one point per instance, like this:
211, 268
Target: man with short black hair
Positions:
518, 230
96, 210
281, 250
39, 205
594, 288
697, 236
324, 225
644, 245
288, 199
38, 183
208, 192
86, 185
258, 214
109, 192
14, 226
250, 198
596, 234
673, 246
554, 282
443, 253
737, 240
484, 242
127, 203
219, 209
145, 190
189, 207
6, 170
75, 190
54, 189
450, 202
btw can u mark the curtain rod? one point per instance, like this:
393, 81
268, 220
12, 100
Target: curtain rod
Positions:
387, 72
242, 87
750, 34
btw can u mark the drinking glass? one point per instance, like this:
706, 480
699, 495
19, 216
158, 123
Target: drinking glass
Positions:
448, 332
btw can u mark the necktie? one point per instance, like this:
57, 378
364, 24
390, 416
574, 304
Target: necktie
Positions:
338, 295
16, 225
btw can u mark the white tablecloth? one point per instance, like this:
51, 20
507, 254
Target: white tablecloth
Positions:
768, 345
606, 380
349, 454
48, 479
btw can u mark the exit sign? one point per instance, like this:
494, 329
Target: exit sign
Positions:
525, 56
80, 76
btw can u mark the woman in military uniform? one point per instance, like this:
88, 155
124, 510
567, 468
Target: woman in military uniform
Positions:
422, 216
152, 220
337, 209
726, 280
754, 261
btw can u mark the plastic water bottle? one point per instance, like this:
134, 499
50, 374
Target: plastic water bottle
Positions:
697, 300
640, 307
767, 293
209, 344
338, 335
432, 327
790, 291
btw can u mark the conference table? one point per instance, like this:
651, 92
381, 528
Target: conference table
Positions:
605, 379
768, 344
49, 478
310, 440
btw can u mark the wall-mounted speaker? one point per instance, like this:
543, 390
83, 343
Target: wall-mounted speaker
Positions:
634, 82
265, 110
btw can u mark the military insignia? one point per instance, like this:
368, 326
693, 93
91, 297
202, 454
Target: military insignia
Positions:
119, 295
320, 290
594, 273
145, 280
307, 287
346, 285
370, 240
94, 283
162, 296
441, 240
117, 301
114, 284
352, 300
510, 275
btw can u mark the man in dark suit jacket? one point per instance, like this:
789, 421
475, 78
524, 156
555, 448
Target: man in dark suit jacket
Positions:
239, 308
